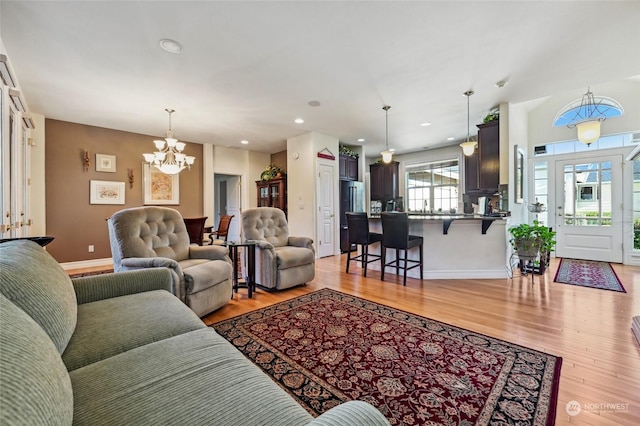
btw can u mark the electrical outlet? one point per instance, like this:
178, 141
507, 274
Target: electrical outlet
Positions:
91, 248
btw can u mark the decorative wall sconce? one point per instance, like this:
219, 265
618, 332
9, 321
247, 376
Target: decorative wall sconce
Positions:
87, 161
130, 174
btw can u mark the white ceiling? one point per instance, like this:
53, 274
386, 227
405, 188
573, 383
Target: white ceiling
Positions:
248, 69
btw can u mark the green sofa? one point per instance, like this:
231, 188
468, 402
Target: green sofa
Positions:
120, 349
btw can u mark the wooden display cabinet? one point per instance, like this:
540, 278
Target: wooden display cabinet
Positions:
273, 193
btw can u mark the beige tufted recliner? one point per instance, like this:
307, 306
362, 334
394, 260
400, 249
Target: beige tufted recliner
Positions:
282, 261
155, 237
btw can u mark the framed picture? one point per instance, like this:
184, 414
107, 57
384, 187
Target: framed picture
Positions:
105, 163
160, 188
106, 192
518, 176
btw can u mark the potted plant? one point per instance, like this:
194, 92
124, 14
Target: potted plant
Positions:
533, 243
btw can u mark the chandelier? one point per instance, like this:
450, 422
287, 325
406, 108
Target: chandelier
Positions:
586, 115
169, 159
469, 146
388, 153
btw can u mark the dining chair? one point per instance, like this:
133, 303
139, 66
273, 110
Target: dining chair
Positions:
195, 229
221, 232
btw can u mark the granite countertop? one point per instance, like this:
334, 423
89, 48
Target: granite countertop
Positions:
447, 216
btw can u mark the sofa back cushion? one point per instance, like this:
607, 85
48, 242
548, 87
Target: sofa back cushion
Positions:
37, 284
35, 388
267, 224
148, 232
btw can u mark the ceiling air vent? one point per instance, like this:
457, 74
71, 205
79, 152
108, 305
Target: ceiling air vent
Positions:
539, 150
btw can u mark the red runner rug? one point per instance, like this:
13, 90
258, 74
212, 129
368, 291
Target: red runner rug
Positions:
588, 273
328, 347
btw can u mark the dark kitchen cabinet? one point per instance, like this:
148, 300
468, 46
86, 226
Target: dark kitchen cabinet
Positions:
471, 173
348, 168
489, 156
384, 181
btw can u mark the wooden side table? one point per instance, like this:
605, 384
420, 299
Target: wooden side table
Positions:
250, 252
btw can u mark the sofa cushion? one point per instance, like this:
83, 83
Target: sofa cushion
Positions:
36, 283
195, 378
35, 388
111, 326
290, 256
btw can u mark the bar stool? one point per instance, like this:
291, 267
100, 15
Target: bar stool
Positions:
395, 235
358, 224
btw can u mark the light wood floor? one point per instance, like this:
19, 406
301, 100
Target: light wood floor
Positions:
589, 328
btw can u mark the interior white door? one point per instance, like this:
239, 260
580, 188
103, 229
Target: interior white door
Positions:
326, 210
589, 208
234, 207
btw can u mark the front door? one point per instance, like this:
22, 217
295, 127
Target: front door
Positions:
326, 210
589, 208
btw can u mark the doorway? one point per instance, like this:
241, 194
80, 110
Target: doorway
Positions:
326, 189
227, 201
588, 215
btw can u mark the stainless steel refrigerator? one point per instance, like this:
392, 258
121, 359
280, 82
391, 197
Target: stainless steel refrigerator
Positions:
351, 200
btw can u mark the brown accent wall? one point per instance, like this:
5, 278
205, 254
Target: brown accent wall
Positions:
280, 159
74, 222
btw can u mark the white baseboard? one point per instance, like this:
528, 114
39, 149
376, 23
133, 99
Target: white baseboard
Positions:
92, 263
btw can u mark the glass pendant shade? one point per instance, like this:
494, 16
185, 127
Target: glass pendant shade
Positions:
387, 156
588, 131
468, 147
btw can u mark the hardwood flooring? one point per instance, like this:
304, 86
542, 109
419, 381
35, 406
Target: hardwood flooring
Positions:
589, 328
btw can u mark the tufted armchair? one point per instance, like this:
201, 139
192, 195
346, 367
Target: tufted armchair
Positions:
153, 237
282, 261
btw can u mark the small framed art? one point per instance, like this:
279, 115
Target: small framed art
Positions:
106, 192
105, 163
160, 188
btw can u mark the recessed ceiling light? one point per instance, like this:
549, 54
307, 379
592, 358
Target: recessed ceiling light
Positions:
361, 140
170, 46
244, 142
425, 124
313, 103
501, 83
450, 138
298, 121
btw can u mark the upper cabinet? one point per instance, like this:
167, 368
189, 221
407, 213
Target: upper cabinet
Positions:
348, 167
482, 169
384, 181
489, 156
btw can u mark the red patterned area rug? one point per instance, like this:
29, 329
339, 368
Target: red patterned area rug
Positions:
328, 347
588, 273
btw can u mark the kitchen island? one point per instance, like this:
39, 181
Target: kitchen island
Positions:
456, 246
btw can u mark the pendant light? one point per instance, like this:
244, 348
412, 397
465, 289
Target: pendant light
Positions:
387, 154
170, 159
587, 114
469, 146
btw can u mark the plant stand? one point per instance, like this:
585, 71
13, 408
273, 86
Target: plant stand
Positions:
528, 265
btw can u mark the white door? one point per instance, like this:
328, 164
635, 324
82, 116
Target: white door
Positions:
326, 210
589, 208
233, 207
